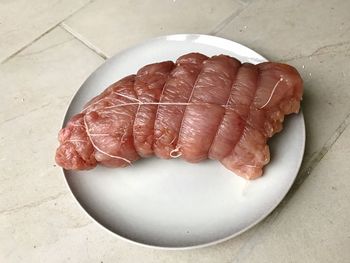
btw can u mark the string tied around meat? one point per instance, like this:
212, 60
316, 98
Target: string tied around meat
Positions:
138, 102
176, 153
273, 91
76, 140
100, 150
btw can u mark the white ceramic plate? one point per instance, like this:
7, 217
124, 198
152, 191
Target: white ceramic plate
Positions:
170, 203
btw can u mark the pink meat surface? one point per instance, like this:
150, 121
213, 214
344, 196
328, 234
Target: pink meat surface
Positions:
198, 108
177, 90
279, 91
75, 151
207, 107
110, 128
233, 122
148, 86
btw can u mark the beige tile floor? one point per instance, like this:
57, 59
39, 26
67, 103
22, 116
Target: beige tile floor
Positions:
48, 48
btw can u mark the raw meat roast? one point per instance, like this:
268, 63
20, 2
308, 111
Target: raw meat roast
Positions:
197, 108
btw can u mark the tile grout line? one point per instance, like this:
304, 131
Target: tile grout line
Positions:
83, 40
319, 156
29, 44
228, 19
33, 204
43, 34
304, 174
318, 52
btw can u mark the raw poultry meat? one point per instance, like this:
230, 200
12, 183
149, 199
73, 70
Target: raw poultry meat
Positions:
209, 96
149, 85
176, 93
197, 108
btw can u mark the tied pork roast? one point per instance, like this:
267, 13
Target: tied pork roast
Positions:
196, 108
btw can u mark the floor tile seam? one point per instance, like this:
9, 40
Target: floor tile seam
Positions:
50, 29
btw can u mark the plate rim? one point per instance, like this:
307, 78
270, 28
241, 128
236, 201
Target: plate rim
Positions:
206, 244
